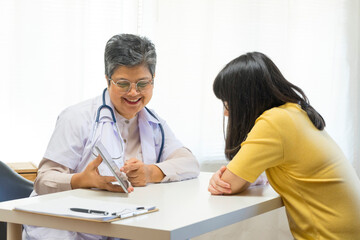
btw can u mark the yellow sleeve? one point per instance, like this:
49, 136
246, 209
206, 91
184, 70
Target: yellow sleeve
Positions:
261, 150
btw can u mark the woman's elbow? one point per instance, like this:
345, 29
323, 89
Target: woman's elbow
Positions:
239, 188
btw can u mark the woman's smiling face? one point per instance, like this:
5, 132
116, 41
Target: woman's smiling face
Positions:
130, 103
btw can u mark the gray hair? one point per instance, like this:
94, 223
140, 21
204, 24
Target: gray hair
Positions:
129, 50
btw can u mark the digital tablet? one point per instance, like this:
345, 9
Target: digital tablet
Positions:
112, 166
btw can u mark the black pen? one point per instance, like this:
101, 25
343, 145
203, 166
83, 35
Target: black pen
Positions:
91, 211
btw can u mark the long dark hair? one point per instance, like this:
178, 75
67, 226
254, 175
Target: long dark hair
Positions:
250, 85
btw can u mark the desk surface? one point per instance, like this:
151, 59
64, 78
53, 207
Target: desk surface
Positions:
186, 210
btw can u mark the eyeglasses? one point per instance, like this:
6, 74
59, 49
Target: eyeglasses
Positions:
140, 86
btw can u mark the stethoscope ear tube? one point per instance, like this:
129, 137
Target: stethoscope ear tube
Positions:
104, 105
107, 107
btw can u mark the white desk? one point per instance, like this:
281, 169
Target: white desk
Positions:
186, 210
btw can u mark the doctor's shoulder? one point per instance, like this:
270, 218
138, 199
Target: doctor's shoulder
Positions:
80, 113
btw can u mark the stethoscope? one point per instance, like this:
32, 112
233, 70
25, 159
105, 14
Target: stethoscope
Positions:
105, 106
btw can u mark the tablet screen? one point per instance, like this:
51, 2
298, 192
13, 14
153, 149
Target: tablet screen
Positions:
112, 166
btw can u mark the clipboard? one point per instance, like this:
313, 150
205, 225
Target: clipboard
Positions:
61, 206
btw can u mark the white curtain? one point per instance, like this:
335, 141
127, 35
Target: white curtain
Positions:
314, 43
51, 56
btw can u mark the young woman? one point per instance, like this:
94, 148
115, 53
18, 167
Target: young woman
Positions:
273, 128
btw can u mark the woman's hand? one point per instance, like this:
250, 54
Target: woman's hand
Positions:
90, 178
139, 174
218, 186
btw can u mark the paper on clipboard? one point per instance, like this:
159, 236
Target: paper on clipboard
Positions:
61, 207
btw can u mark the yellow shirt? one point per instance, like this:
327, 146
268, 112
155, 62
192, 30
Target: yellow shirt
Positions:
319, 187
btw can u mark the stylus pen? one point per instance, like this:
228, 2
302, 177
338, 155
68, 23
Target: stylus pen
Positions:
91, 211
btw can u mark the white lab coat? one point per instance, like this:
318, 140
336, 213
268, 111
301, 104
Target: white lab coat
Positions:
71, 146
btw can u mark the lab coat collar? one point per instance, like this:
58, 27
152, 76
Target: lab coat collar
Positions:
144, 114
146, 129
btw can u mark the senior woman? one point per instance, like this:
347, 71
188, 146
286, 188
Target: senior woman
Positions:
151, 151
